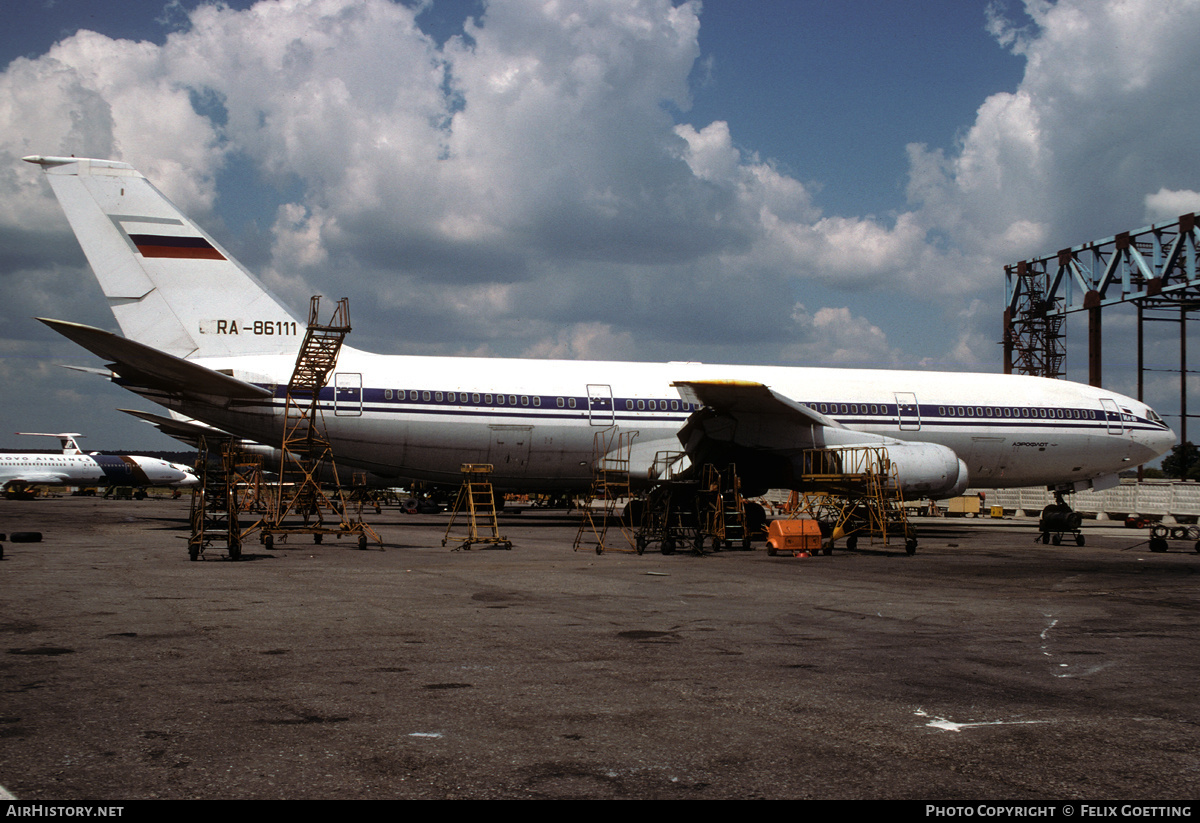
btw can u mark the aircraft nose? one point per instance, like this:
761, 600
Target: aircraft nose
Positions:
1163, 441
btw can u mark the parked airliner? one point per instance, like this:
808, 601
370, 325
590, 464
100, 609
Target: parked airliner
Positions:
71, 467
204, 338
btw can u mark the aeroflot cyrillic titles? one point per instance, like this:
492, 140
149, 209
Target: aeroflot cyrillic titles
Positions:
206, 339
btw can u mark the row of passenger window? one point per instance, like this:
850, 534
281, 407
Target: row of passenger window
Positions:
478, 398
475, 398
959, 411
1007, 411
657, 405
850, 408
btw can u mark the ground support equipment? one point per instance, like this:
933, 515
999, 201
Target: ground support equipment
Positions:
1159, 534
611, 450
723, 515
306, 449
1058, 519
477, 501
231, 486
859, 495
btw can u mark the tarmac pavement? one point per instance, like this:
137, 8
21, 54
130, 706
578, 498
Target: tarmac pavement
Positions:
986, 666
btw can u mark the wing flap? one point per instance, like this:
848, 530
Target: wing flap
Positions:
150, 368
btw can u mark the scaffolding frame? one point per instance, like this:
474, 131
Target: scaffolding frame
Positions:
860, 494
611, 451
305, 448
723, 509
227, 490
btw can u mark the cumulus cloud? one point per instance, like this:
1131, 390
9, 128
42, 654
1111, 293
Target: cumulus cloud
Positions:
530, 187
1167, 205
836, 336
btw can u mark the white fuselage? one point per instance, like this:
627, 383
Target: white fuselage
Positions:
17, 469
535, 421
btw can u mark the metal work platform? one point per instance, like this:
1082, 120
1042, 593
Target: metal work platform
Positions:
230, 488
305, 450
723, 509
477, 501
611, 449
859, 495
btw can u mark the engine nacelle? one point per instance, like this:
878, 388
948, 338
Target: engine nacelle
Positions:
929, 470
924, 469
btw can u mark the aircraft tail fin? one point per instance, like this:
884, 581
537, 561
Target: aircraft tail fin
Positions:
169, 284
65, 439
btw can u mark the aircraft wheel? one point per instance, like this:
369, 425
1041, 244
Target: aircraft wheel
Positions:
852, 542
362, 542
268, 542
639, 543
1158, 544
193, 551
910, 546
745, 544
828, 550
1056, 539
668, 545
1079, 540
317, 538
1045, 538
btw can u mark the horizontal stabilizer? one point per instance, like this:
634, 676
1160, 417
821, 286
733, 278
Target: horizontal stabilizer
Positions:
149, 368
65, 439
185, 431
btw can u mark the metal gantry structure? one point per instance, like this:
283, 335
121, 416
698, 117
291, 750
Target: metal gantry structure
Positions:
305, 450
1155, 268
234, 501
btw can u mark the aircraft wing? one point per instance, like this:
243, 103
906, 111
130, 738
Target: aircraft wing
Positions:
149, 368
766, 434
749, 400
37, 478
185, 431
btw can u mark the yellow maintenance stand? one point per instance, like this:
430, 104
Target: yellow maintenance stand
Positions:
306, 450
477, 500
611, 449
859, 494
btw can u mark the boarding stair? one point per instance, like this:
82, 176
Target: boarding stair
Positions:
305, 450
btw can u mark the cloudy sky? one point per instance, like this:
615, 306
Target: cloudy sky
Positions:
796, 182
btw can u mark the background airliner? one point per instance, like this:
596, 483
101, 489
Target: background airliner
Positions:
71, 467
204, 338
